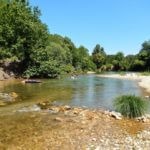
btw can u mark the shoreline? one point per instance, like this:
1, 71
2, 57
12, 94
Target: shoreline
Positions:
143, 81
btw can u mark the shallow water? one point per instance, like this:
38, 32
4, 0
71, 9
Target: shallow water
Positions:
87, 90
19, 122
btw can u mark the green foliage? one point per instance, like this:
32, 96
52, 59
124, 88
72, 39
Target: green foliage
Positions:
119, 62
25, 39
130, 106
20, 30
99, 56
67, 69
47, 69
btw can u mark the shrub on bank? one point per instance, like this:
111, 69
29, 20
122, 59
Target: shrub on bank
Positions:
130, 106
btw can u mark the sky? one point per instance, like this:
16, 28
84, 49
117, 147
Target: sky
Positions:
117, 25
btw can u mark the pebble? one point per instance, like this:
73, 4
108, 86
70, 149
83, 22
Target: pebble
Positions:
58, 119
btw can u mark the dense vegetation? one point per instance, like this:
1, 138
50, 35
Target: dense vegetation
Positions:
26, 41
130, 106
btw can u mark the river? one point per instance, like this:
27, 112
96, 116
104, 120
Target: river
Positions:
85, 91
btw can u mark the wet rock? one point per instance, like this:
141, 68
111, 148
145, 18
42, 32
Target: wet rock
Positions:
44, 105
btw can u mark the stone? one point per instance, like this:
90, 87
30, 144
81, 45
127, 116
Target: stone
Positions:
143, 119
67, 107
44, 105
94, 139
76, 111
58, 119
116, 115
54, 109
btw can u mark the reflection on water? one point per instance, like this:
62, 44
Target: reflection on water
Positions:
87, 90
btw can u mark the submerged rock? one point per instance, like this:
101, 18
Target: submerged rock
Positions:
2, 103
6, 97
14, 95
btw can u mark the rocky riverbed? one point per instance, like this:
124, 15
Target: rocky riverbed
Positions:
51, 127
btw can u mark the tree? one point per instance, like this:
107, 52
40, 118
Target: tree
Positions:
99, 56
119, 62
144, 55
20, 29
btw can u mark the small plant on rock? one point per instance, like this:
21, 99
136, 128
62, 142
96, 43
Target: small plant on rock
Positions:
130, 106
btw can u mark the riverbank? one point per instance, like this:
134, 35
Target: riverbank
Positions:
143, 81
71, 128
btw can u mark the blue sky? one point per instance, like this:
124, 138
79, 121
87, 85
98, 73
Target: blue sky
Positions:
117, 25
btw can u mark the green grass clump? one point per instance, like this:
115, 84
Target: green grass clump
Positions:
130, 106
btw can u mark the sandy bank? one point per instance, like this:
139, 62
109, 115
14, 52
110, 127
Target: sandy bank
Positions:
143, 81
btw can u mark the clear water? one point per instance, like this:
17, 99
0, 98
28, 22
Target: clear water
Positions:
87, 90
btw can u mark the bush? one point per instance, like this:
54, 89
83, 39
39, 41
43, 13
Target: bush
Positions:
130, 106
47, 69
67, 69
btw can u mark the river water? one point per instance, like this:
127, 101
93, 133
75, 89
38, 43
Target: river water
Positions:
85, 90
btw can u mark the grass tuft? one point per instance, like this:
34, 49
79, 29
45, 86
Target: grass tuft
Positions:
130, 106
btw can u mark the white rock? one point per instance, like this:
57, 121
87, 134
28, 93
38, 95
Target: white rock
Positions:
97, 148
116, 115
